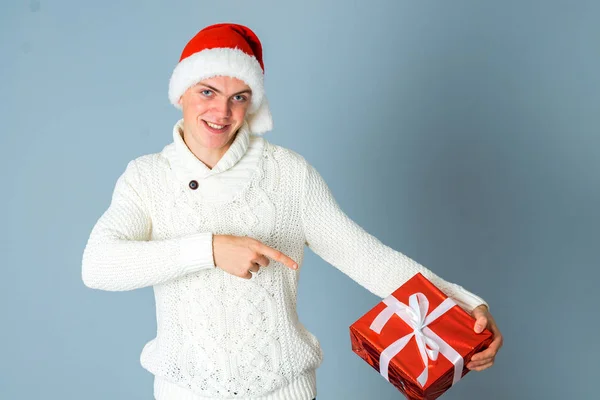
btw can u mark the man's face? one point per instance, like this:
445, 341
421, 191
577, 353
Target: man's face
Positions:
214, 110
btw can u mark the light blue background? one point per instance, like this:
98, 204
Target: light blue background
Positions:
462, 133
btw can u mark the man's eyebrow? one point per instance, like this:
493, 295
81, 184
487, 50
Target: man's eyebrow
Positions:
219, 92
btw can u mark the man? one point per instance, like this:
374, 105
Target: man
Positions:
217, 223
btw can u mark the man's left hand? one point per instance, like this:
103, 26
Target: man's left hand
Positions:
485, 358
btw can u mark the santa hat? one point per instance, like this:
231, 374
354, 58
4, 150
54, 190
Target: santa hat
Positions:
225, 50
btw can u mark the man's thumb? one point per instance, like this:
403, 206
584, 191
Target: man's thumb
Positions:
480, 324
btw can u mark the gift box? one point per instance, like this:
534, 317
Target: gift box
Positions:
418, 339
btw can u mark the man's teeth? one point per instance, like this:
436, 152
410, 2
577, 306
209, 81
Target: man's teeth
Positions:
215, 126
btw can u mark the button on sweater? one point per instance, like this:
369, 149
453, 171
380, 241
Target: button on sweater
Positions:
220, 336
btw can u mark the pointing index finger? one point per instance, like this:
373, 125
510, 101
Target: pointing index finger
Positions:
277, 256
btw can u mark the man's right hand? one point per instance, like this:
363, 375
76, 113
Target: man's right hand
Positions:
240, 255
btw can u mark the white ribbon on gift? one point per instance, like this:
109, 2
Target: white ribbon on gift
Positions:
430, 344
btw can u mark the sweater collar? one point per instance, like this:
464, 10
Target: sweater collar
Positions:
196, 168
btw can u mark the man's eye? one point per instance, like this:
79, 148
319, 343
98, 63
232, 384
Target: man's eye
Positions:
207, 92
239, 97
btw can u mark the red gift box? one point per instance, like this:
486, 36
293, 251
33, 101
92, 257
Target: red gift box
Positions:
418, 339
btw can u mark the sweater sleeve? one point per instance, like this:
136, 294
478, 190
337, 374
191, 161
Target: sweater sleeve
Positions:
120, 255
341, 242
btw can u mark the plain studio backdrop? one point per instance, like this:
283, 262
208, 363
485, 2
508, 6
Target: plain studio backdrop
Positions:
464, 134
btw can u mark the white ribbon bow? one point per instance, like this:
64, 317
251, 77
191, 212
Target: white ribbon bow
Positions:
430, 344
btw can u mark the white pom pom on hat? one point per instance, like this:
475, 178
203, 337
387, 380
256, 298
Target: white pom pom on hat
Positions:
225, 50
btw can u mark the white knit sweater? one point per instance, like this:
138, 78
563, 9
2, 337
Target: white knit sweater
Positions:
220, 336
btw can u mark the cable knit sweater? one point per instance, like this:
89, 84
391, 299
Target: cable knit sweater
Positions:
220, 336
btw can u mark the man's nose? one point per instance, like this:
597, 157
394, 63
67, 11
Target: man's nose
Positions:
223, 108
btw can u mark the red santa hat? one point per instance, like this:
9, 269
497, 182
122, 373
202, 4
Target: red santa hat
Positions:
225, 50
